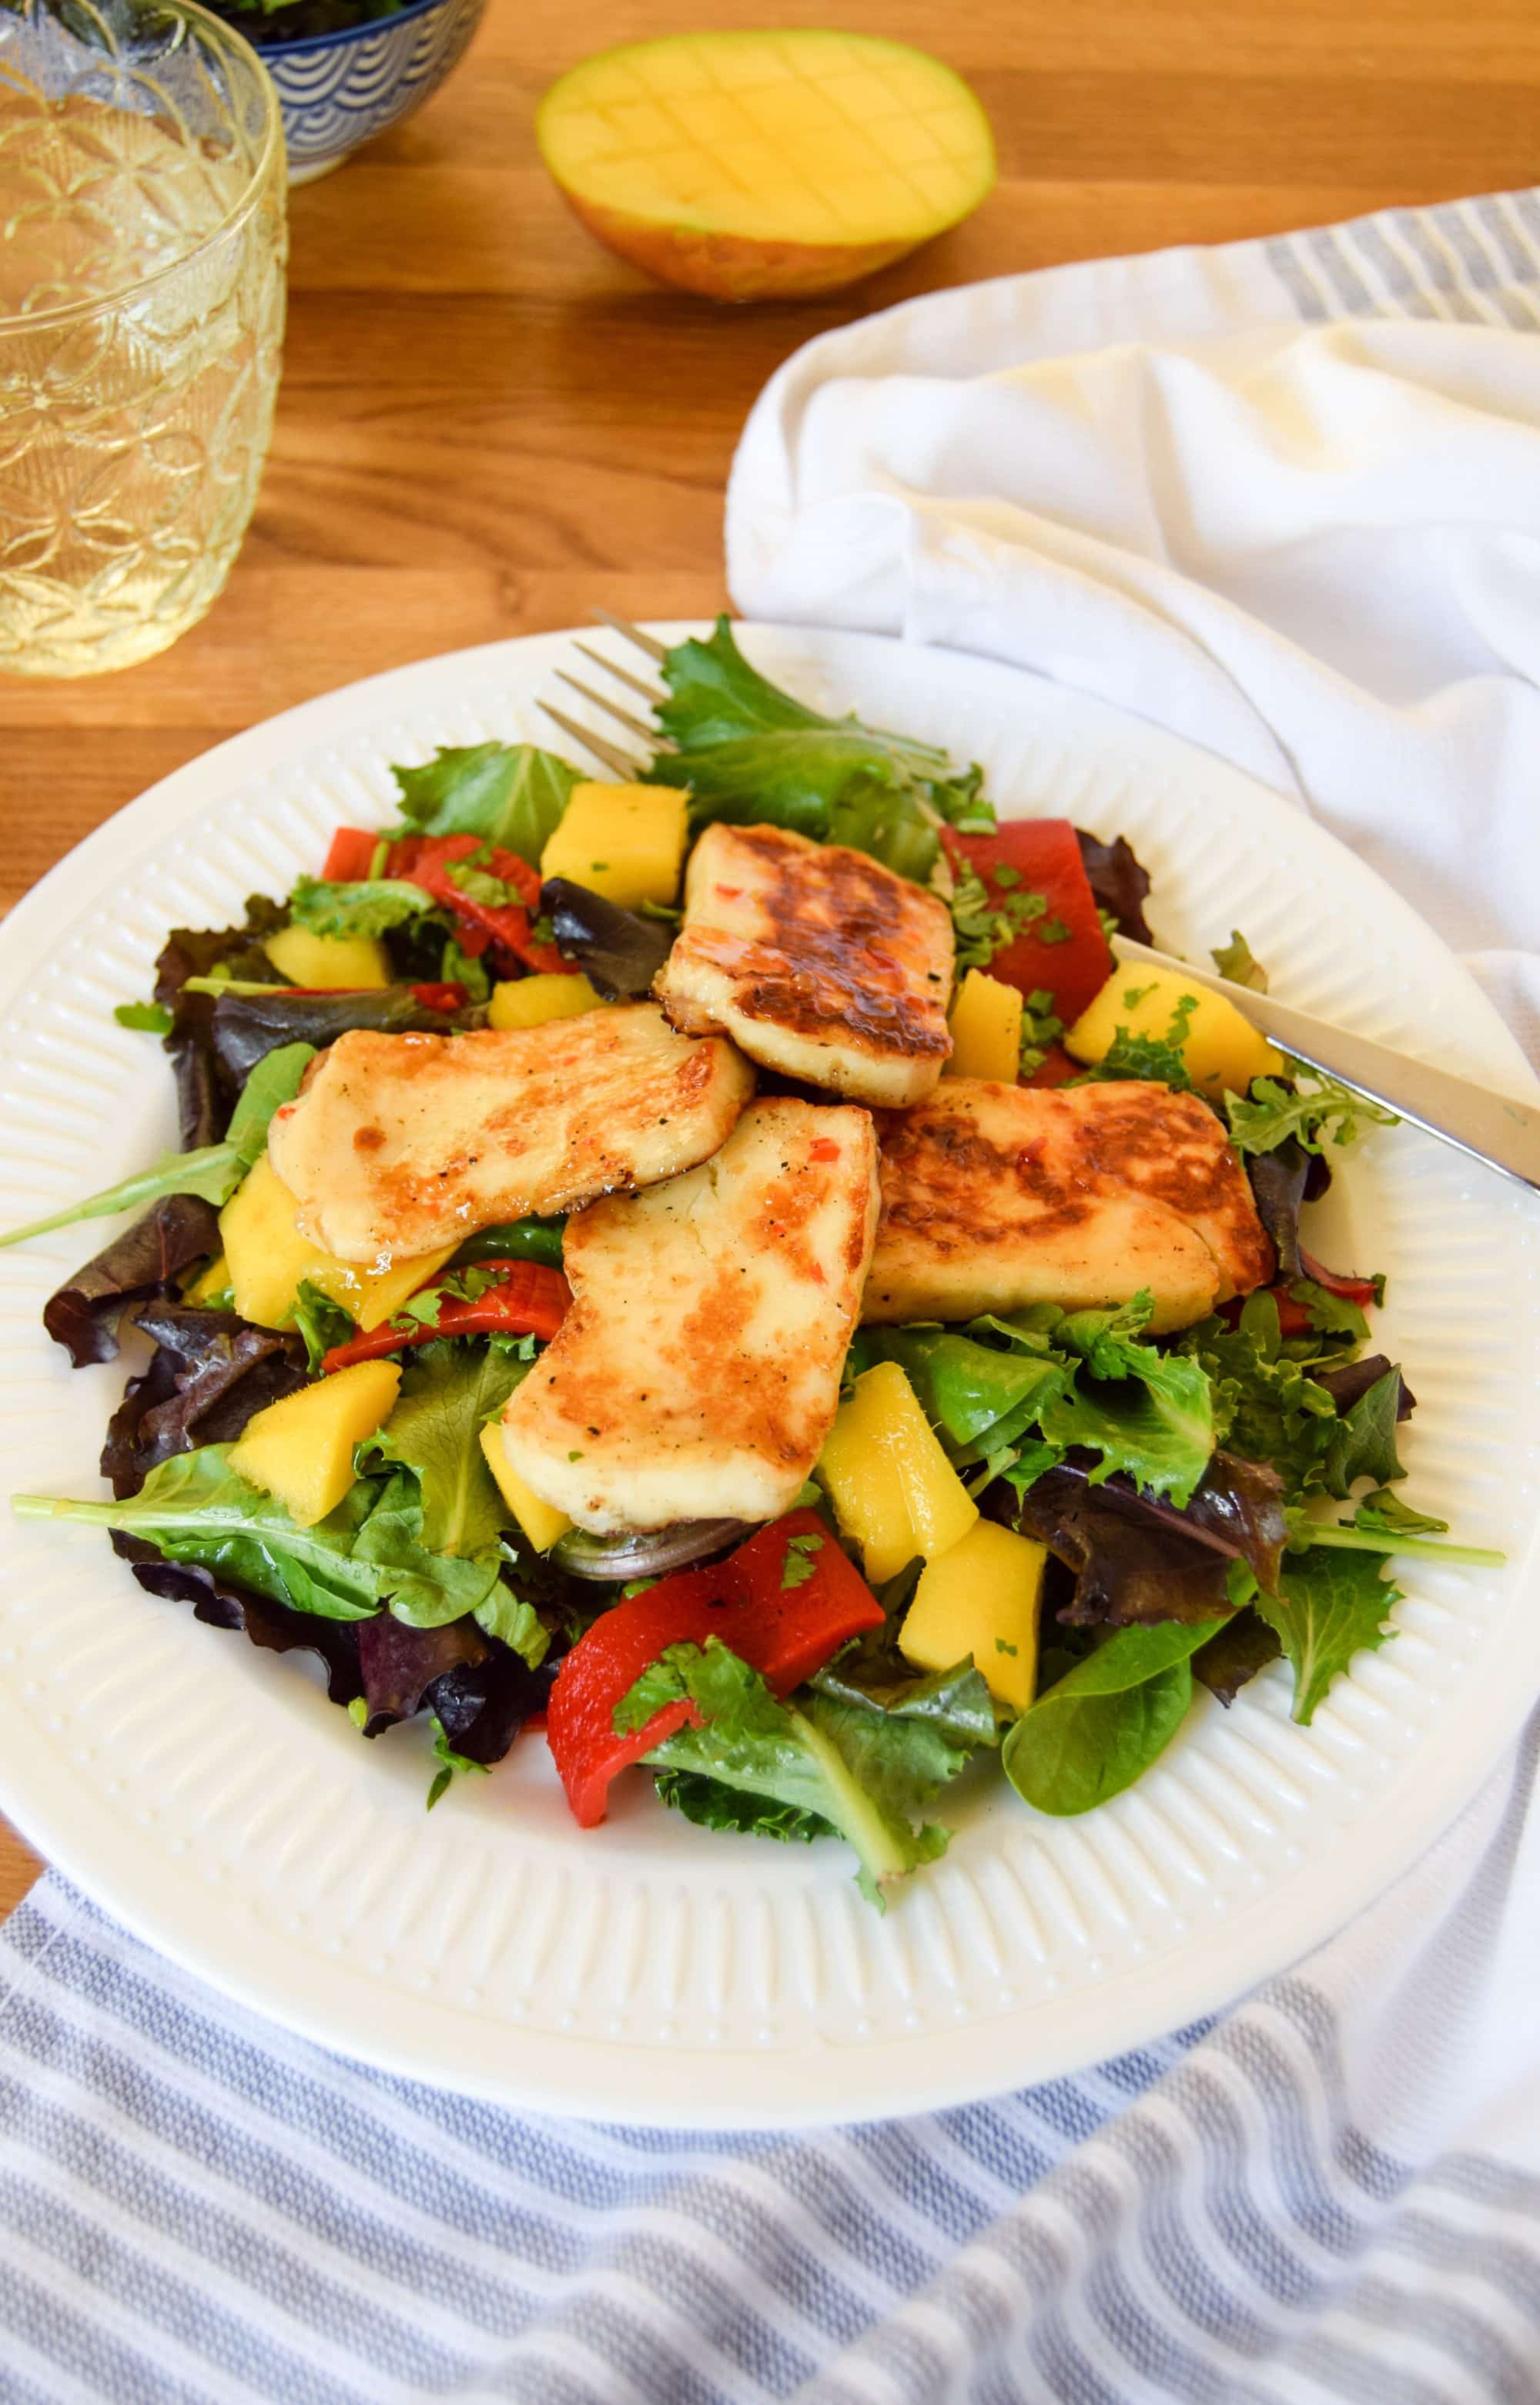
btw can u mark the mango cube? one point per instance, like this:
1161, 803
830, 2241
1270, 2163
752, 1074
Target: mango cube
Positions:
891, 1485
529, 1002
267, 1260
986, 1030
328, 962
981, 1599
1222, 1051
624, 841
542, 1522
300, 1450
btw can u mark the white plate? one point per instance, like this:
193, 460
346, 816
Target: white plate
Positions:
209, 1796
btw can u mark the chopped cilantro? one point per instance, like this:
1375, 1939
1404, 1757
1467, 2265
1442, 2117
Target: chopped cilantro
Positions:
1054, 930
1040, 1027
1237, 962
800, 1564
1135, 995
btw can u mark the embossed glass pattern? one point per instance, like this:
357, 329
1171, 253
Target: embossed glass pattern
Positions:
141, 251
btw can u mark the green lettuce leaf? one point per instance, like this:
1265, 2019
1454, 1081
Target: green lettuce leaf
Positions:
800, 1760
711, 1805
1102, 1725
1265, 1117
371, 907
966, 1389
1362, 1442
449, 1391
1149, 1413
752, 754
511, 794
1331, 1605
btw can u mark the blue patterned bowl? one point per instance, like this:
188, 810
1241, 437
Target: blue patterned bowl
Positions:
338, 90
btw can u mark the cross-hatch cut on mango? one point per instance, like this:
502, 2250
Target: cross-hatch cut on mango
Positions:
743, 164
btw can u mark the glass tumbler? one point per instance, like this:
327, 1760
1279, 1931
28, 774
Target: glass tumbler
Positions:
142, 250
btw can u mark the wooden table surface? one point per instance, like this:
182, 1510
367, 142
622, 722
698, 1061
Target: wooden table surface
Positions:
486, 424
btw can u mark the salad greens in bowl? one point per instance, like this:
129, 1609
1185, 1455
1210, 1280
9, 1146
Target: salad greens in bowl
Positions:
723, 1275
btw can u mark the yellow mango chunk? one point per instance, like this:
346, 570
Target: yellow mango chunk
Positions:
209, 1282
529, 1002
267, 1260
264, 1251
980, 1598
1222, 1051
300, 1449
542, 1522
745, 164
891, 1485
373, 1296
624, 841
327, 961
986, 1030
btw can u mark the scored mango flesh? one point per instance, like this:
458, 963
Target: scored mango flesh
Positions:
803, 137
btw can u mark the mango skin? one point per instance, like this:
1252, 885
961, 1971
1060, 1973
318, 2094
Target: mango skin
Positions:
624, 841
542, 1522
1222, 1051
981, 1597
531, 1001
300, 1450
331, 962
728, 267
985, 1029
891, 1485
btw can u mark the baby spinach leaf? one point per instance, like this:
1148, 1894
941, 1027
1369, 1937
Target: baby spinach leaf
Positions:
1104, 1723
1330, 1606
511, 794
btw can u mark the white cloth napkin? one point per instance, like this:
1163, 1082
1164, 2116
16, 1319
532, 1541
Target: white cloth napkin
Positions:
1312, 551
1313, 548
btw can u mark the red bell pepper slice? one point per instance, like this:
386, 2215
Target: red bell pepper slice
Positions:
1042, 856
1353, 1290
786, 1633
526, 1299
427, 861
352, 852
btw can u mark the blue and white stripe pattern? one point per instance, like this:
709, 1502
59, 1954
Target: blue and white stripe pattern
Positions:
1330, 2192
338, 90
198, 2209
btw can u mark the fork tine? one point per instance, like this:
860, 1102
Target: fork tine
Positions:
649, 693
622, 717
620, 764
648, 643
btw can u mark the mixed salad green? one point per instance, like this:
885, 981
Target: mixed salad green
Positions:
1207, 1501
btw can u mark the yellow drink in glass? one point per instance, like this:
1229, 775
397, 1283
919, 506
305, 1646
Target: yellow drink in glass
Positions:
141, 251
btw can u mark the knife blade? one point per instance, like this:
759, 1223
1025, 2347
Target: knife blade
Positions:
1496, 1128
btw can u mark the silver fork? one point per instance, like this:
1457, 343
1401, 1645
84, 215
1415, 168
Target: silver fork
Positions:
608, 754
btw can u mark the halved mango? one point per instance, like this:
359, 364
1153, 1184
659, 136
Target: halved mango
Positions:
753, 166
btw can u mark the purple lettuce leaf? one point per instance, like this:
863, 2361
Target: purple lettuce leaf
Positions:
1243, 1646
1138, 1558
275, 1627
209, 1373
1118, 883
145, 1260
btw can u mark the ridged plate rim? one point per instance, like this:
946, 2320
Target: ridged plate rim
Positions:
739, 1909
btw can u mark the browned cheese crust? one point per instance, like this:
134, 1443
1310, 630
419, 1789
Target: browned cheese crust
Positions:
998, 1196
398, 1144
817, 961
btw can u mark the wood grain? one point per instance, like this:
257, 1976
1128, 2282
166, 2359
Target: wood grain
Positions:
486, 425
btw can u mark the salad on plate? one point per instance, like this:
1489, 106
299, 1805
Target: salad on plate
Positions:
725, 1276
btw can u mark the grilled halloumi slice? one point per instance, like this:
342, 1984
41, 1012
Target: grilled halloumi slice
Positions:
817, 961
997, 1196
696, 1374
398, 1144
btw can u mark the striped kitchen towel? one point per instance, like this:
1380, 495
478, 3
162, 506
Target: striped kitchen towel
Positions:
1330, 2192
